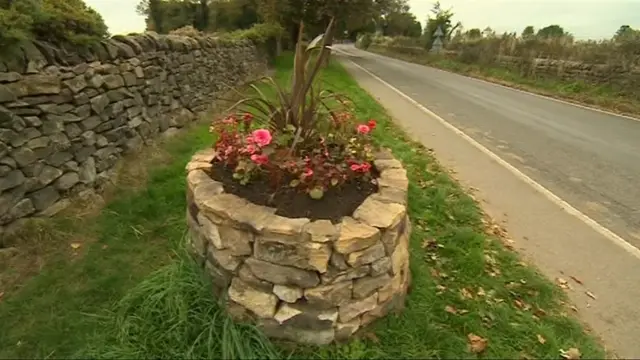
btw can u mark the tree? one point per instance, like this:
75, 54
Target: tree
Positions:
439, 18
551, 31
528, 32
473, 34
625, 33
401, 22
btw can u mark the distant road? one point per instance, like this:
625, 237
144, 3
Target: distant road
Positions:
588, 158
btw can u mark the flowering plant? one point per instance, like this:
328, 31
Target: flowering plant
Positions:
303, 138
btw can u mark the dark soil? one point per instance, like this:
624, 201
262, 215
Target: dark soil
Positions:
291, 202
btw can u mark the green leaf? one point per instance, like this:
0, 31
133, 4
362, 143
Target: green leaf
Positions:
237, 176
334, 182
316, 193
294, 183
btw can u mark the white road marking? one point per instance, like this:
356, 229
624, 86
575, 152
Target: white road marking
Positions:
541, 189
515, 89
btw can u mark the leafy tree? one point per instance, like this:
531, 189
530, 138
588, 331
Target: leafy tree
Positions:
55, 21
473, 34
439, 18
528, 32
551, 31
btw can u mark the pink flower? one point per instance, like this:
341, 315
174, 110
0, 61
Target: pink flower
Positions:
363, 129
250, 149
260, 159
307, 172
363, 168
262, 137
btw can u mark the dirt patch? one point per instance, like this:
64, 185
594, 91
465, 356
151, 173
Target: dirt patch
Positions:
290, 202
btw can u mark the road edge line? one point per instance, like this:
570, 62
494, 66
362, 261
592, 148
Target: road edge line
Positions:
519, 174
547, 97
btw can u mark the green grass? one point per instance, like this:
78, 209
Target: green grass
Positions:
601, 96
139, 297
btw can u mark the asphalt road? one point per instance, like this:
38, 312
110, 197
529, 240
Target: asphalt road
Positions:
588, 158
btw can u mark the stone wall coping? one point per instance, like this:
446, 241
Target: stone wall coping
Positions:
381, 210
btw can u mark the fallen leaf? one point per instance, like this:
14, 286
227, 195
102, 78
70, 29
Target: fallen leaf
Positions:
435, 273
481, 292
521, 305
1, 295
574, 308
75, 246
541, 339
477, 344
563, 283
450, 309
465, 294
539, 312
430, 244
104, 247
441, 288
463, 311
590, 294
576, 280
371, 336
571, 354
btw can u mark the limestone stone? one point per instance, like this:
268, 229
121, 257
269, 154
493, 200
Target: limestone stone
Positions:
23, 208
11, 180
378, 214
210, 231
66, 181
237, 242
48, 174
44, 198
322, 231
33, 85
24, 156
261, 303
293, 252
334, 275
76, 84
197, 177
224, 258
385, 164
350, 311
330, 295
304, 316
368, 285
400, 256
289, 294
245, 274
346, 329
113, 81
99, 103
338, 261
282, 275
280, 225
273, 329
394, 178
198, 165
355, 236
366, 256
381, 266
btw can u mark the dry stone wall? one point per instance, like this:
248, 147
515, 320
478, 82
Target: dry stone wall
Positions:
66, 117
301, 280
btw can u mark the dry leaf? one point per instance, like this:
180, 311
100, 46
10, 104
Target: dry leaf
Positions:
519, 304
75, 246
574, 308
435, 273
104, 247
440, 289
465, 294
576, 280
541, 339
563, 283
450, 309
571, 354
540, 312
1, 294
481, 292
477, 344
463, 311
590, 294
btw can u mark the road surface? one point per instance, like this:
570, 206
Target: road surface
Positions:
589, 159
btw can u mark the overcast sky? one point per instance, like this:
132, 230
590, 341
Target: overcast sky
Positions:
584, 18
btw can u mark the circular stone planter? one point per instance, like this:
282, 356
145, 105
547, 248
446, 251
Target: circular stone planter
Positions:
301, 280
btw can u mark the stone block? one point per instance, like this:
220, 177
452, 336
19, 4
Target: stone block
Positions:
261, 303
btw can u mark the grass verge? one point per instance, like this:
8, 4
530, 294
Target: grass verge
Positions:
463, 281
600, 96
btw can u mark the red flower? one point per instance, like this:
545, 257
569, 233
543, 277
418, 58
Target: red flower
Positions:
372, 124
260, 159
307, 172
363, 168
355, 167
262, 137
363, 129
248, 116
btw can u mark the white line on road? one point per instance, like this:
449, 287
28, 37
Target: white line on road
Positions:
628, 117
546, 192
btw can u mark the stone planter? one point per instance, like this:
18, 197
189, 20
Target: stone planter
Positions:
301, 280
